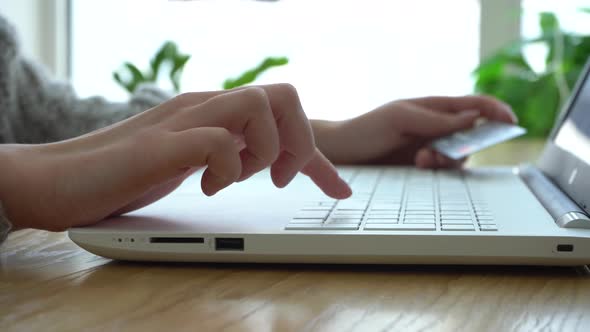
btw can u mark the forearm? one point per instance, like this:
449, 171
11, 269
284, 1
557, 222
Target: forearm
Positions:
328, 139
34, 178
7, 188
5, 223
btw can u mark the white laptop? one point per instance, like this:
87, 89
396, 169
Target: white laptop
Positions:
513, 215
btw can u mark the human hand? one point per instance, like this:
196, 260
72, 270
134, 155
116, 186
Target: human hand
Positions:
137, 161
399, 132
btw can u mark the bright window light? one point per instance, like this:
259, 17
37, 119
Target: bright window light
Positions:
346, 57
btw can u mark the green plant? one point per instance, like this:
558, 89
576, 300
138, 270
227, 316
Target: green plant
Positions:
250, 75
167, 57
536, 96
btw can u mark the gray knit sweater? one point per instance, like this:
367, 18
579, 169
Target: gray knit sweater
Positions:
36, 109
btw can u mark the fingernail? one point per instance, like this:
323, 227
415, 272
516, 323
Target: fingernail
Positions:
240, 141
244, 177
346, 190
215, 184
284, 180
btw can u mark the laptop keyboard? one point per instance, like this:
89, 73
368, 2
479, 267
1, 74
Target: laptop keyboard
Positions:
400, 200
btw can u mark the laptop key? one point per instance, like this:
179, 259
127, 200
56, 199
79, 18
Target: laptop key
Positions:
423, 215
487, 228
385, 206
457, 222
317, 208
351, 213
419, 221
307, 221
487, 222
455, 209
382, 221
455, 217
458, 227
347, 227
312, 214
378, 213
352, 205
419, 211
456, 213
383, 216
343, 220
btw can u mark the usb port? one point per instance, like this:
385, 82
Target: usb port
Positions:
565, 247
229, 244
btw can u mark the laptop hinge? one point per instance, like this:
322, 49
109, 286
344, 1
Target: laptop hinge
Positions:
564, 210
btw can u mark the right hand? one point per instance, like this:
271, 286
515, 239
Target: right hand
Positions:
135, 162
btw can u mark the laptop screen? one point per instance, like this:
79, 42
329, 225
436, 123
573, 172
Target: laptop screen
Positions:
574, 134
566, 159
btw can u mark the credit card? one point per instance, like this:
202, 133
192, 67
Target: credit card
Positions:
464, 143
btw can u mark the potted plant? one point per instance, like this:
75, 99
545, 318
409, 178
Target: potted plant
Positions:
169, 58
536, 96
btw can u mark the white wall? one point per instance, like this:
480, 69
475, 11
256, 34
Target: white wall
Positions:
42, 29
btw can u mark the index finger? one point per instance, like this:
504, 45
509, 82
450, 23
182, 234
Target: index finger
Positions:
489, 107
299, 152
323, 173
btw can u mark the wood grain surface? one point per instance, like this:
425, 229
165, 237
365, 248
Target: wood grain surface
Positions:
48, 284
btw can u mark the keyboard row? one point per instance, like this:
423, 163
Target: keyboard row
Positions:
382, 225
453, 220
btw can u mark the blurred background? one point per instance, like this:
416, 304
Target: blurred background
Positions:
344, 57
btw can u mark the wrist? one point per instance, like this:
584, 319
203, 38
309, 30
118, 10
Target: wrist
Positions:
7, 185
328, 138
17, 184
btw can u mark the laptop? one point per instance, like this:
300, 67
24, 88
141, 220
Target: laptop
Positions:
530, 214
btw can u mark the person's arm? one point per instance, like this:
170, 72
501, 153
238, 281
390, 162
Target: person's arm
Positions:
36, 109
400, 132
326, 138
137, 161
43, 110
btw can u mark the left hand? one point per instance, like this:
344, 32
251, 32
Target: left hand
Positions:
400, 132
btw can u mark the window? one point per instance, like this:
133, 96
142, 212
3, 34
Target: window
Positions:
346, 57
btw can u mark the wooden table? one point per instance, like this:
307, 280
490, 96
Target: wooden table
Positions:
49, 284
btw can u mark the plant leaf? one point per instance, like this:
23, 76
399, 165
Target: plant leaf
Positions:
534, 97
118, 79
177, 69
167, 51
134, 71
251, 75
548, 23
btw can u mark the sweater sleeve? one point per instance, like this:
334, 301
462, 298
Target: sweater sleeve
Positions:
44, 110
37, 109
